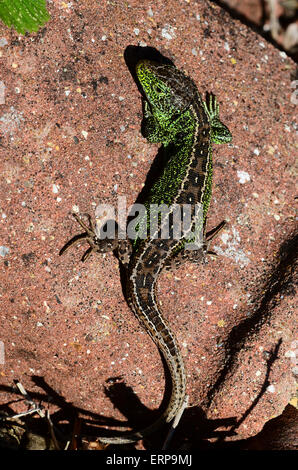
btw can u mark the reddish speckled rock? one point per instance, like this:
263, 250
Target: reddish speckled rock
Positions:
70, 128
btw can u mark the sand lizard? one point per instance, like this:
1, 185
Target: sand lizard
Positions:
174, 115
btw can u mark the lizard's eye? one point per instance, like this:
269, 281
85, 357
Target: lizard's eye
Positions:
158, 89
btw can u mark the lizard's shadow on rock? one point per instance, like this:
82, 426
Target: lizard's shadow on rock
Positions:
133, 54
193, 432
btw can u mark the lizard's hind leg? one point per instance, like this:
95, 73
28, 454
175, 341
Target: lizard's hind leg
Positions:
198, 255
96, 244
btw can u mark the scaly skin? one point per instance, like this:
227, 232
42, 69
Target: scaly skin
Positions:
175, 116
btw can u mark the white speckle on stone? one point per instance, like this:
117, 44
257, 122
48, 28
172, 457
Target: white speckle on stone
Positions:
103, 38
255, 195
150, 12
39, 323
233, 249
290, 353
287, 128
9, 122
258, 373
85, 134
256, 151
142, 44
168, 32
271, 389
3, 42
235, 306
136, 31
55, 188
4, 250
227, 47
121, 98
198, 17
283, 55
2, 92
17, 90
67, 92
122, 128
75, 209
243, 176
58, 199
261, 44
69, 34
115, 187
277, 217
3, 215
225, 237
194, 51
209, 302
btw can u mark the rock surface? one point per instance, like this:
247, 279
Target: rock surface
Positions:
70, 140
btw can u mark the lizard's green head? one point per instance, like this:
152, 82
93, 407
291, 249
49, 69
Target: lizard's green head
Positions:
168, 90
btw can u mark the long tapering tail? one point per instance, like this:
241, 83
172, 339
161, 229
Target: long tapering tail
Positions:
145, 308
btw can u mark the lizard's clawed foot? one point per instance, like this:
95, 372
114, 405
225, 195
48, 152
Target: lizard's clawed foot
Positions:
89, 235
